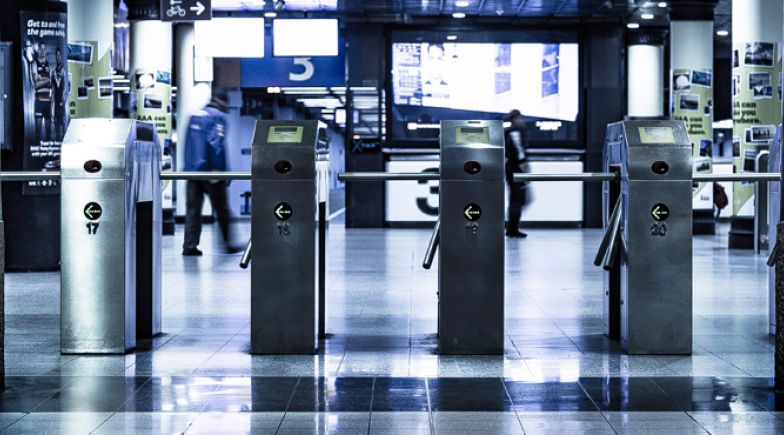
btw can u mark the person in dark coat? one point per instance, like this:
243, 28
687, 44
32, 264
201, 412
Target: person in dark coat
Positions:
514, 146
205, 150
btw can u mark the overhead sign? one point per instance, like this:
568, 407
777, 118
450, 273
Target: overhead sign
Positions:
186, 10
263, 72
93, 211
472, 212
660, 212
283, 211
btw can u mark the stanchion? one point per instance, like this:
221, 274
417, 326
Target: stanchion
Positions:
779, 353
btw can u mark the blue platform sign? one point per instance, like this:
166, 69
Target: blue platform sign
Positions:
294, 71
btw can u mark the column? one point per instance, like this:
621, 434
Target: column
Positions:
193, 93
756, 100
691, 94
151, 84
645, 73
91, 29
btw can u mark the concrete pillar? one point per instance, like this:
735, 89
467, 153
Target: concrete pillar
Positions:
756, 100
91, 24
192, 95
645, 73
691, 94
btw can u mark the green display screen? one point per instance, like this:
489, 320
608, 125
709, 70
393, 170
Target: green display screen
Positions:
654, 135
466, 135
285, 134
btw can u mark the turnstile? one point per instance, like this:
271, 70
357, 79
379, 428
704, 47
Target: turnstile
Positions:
774, 216
111, 235
648, 287
471, 252
285, 237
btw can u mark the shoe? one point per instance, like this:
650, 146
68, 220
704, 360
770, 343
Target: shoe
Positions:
192, 252
234, 249
516, 234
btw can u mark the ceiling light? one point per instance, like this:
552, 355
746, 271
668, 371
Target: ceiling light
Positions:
451, 37
462, 3
722, 32
270, 14
662, 4
647, 16
633, 25
458, 15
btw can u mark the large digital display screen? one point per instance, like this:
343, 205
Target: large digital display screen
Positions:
305, 37
541, 80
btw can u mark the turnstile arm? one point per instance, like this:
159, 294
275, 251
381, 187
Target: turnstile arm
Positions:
774, 252
433, 245
602, 252
614, 243
245, 261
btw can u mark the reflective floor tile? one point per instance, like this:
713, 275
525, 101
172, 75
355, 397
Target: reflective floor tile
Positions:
468, 394
326, 421
93, 394
248, 423
8, 418
59, 422
651, 420
400, 420
739, 421
147, 423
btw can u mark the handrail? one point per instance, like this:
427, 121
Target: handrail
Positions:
435, 240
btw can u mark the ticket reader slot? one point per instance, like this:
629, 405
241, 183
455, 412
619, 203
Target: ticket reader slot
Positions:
111, 236
471, 238
285, 238
653, 272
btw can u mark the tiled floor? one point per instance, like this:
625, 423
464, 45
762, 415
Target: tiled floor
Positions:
379, 373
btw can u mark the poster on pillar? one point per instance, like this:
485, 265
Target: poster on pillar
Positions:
756, 103
692, 102
152, 103
91, 80
44, 94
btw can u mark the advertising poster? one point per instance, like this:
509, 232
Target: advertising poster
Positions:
756, 103
151, 90
91, 80
692, 102
44, 94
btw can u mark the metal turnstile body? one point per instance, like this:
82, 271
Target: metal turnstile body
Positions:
655, 255
471, 252
285, 237
111, 235
774, 216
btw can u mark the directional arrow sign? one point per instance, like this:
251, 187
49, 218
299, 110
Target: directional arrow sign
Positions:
282, 211
186, 10
93, 211
472, 212
660, 212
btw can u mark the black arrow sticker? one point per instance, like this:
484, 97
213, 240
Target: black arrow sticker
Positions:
660, 212
93, 211
472, 212
283, 211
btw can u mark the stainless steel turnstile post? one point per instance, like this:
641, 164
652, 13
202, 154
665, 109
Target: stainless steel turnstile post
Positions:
285, 237
111, 235
774, 217
471, 252
652, 291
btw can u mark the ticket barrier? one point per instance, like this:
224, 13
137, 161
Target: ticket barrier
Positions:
287, 238
469, 238
774, 216
646, 249
111, 236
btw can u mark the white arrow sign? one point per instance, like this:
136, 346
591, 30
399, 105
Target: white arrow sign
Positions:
199, 8
281, 211
658, 213
467, 212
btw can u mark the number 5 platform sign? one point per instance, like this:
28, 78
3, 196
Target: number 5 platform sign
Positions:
295, 71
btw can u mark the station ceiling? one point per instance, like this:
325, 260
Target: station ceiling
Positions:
406, 11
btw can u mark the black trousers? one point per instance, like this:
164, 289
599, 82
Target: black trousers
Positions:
194, 203
516, 203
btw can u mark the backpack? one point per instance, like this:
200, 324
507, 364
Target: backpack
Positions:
720, 196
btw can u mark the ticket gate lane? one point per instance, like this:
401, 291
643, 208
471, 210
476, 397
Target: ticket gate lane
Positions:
111, 216
655, 270
285, 249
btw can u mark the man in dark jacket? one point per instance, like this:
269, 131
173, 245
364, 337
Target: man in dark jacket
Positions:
514, 145
205, 150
